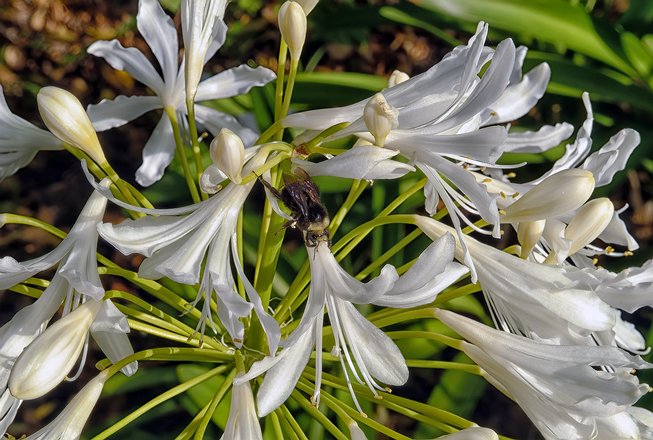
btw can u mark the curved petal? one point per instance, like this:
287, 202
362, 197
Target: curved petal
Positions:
537, 141
519, 98
157, 154
363, 162
131, 60
233, 82
109, 330
379, 354
160, 34
110, 113
612, 157
215, 121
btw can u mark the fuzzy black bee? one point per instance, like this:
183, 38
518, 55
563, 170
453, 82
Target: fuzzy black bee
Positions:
302, 197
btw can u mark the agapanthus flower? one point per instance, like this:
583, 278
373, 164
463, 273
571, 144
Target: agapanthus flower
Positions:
474, 433
445, 123
364, 351
76, 278
160, 34
562, 388
175, 242
539, 301
20, 140
242, 423
69, 423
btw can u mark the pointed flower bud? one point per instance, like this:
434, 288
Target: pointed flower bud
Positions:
397, 77
292, 24
380, 118
557, 194
588, 223
70, 422
47, 361
65, 117
228, 154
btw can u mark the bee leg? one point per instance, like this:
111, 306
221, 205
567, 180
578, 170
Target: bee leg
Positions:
275, 192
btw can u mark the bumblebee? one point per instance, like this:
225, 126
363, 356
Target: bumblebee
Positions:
302, 197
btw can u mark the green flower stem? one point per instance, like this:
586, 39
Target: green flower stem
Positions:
145, 203
195, 143
332, 403
190, 429
389, 254
90, 163
392, 401
172, 115
312, 145
151, 320
159, 332
17, 219
155, 289
357, 188
276, 160
443, 365
292, 422
465, 290
281, 73
287, 427
185, 354
287, 97
122, 187
164, 397
269, 132
25, 290
182, 328
217, 398
273, 418
317, 415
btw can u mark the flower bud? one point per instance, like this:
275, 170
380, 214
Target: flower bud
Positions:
380, 118
228, 154
528, 234
355, 432
557, 194
588, 223
49, 358
397, 77
65, 117
292, 24
70, 422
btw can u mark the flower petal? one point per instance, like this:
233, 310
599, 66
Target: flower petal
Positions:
131, 60
537, 141
109, 330
232, 82
612, 157
214, 121
157, 153
110, 113
160, 34
362, 162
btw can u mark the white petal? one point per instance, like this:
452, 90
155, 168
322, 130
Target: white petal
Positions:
232, 82
109, 330
363, 162
432, 272
211, 179
8, 409
160, 34
382, 358
157, 153
518, 99
475, 433
612, 157
215, 121
281, 378
617, 233
130, 60
110, 113
537, 141
13, 272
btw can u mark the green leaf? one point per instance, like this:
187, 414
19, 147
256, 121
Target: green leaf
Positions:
553, 21
335, 88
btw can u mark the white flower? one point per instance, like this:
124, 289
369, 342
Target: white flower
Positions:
69, 423
562, 388
175, 242
201, 23
242, 423
64, 115
535, 300
160, 34
20, 140
364, 350
446, 124
228, 154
